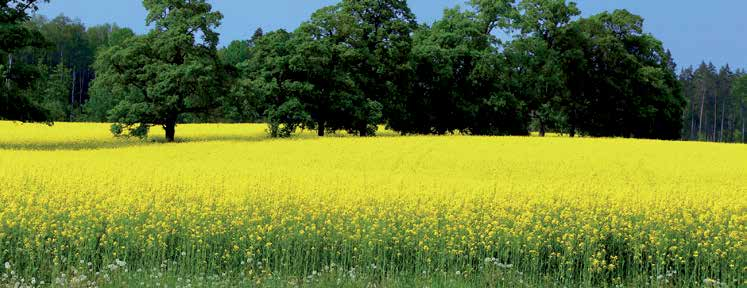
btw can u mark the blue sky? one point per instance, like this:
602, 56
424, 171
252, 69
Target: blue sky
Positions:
694, 30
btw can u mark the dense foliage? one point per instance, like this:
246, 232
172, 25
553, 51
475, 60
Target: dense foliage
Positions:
16, 77
59, 53
360, 64
172, 70
717, 99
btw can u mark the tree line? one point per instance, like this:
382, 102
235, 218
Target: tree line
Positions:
716, 103
360, 64
53, 64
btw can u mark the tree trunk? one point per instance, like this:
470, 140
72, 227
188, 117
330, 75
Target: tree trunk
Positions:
702, 104
363, 130
692, 117
742, 106
723, 111
10, 68
81, 80
542, 128
715, 115
320, 128
72, 98
170, 128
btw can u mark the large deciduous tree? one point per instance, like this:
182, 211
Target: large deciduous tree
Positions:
268, 86
323, 59
625, 84
346, 68
380, 43
172, 70
537, 56
459, 81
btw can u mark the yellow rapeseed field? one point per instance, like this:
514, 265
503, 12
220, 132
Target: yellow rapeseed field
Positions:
226, 199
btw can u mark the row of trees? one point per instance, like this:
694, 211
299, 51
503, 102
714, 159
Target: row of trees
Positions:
362, 63
717, 101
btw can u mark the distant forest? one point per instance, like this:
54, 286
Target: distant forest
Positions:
716, 103
363, 63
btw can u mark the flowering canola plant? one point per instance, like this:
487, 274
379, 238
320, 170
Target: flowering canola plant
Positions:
228, 199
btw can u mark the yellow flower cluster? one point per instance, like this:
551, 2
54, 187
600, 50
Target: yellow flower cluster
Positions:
227, 198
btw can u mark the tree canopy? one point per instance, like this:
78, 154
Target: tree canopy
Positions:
171, 71
351, 62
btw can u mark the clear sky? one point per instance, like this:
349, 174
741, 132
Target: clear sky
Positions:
694, 30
